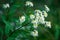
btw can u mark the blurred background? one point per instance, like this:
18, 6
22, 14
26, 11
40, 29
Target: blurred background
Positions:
13, 12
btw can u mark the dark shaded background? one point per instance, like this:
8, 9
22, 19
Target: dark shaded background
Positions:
54, 14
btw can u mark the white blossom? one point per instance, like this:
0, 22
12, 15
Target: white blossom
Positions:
46, 8
38, 11
42, 20
35, 25
45, 13
34, 33
32, 16
28, 3
48, 24
22, 19
34, 21
6, 5
37, 14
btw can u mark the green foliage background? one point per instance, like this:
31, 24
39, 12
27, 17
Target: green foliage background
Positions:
17, 9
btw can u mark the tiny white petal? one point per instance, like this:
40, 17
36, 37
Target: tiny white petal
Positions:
42, 20
32, 16
34, 33
35, 25
22, 19
34, 21
37, 14
28, 3
46, 8
38, 11
6, 5
45, 13
48, 24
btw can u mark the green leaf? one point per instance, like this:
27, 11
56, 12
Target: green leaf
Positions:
8, 27
1, 33
16, 33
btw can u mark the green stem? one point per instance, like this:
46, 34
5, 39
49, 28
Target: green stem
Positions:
35, 38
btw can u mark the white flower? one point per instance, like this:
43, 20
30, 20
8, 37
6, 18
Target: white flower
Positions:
37, 14
48, 24
6, 5
46, 8
42, 20
34, 33
22, 19
34, 21
28, 3
35, 25
32, 16
38, 11
45, 13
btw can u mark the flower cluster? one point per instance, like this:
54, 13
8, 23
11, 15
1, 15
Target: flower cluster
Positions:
27, 22
37, 18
